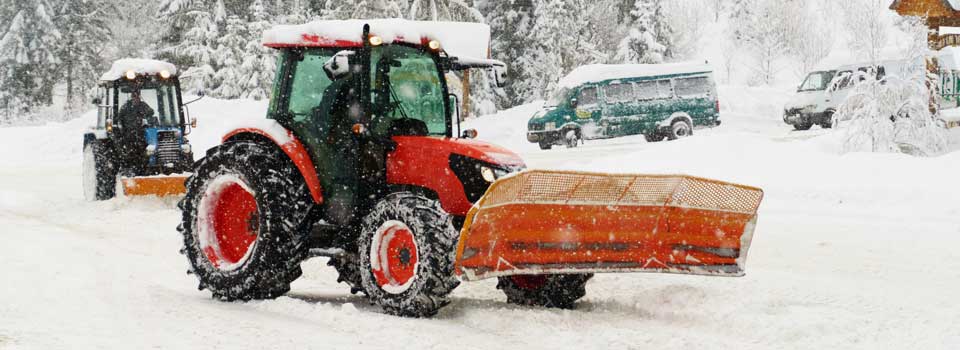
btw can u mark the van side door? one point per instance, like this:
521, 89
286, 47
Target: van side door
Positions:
587, 108
621, 110
695, 97
650, 96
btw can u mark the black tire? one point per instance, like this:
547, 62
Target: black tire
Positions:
348, 268
272, 260
557, 291
653, 136
434, 239
99, 172
571, 138
545, 145
678, 129
802, 126
827, 121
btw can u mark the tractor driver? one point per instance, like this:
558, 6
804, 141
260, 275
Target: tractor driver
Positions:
340, 112
133, 142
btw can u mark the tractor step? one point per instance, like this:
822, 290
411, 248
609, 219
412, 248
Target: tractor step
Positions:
546, 222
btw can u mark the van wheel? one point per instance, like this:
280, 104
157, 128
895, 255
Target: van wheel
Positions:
571, 138
679, 128
827, 121
653, 136
803, 126
545, 145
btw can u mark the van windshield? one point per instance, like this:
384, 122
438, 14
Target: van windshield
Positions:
561, 96
817, 81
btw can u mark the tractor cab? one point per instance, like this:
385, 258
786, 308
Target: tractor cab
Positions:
141, 129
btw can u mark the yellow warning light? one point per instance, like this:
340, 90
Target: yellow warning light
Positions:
165, 74
434, 45
376, 40
131, 75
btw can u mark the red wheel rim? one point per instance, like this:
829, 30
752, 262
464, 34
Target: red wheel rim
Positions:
393, 257
529, 281
229, 222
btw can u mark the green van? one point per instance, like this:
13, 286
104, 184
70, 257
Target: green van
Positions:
604, 101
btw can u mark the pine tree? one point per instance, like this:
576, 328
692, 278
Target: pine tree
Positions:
365, 9
229, 54
85, 32
28, 58
192, 32
546, 60
443, 10
258, 65
648, 39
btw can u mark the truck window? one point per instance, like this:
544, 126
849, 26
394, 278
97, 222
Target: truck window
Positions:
647, 90
618, 92
692, 87
588, 96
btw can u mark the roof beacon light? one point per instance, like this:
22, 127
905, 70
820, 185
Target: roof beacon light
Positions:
376, 40
165, 74
130, 75
434, 45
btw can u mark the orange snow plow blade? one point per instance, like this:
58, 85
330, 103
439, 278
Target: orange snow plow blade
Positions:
544, 222
159, 186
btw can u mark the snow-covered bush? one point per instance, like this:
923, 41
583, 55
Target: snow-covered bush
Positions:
895, 112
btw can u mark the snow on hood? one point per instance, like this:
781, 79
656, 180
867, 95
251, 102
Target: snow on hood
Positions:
600, 72
139, 66
803, 99
456, 38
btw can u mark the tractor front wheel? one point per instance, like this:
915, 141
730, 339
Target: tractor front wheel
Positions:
557, 291
407, 251
243, 207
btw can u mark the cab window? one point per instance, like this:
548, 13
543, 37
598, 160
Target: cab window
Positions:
308, 85
161, 97
407, 92
618, 92
587, 96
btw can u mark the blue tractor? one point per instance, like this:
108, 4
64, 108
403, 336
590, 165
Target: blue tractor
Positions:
140, 135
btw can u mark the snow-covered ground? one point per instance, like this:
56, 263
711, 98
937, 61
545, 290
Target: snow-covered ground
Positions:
852, 251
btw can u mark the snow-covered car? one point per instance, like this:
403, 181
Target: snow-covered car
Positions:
823, 91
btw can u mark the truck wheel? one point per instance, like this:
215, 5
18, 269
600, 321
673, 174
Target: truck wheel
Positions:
407, 251
99, 176
545, 145
348, 268
803, 126
243, 206
827, 121
558, 291
571, 138
679, 128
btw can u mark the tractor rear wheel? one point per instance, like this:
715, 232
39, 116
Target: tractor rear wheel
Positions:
407, 251
99, 174
557, 291
243, 207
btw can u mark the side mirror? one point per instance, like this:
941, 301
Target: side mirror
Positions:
97, 100
201, 93
500, 75
470, 134
573, 102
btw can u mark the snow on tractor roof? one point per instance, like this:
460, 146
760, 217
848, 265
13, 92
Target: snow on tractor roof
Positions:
595, 73
456, 38
139, 66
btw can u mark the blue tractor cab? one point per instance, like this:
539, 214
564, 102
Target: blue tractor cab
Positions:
141, 132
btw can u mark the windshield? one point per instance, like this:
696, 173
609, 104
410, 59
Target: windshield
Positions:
160, 96
559, 97
407, 92
817, 81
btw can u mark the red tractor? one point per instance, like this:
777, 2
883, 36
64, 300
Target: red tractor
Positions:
359, 160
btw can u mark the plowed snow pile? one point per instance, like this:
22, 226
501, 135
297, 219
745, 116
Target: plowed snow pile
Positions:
852, 251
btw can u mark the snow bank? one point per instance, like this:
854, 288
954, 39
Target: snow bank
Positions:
139, 66
456, 38
600, 72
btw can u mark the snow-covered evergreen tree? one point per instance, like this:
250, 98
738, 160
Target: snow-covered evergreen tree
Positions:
443, 10
648, 39
546, 61
258, 65
193, 30
85, 33
28, 58
229, 79
511, 23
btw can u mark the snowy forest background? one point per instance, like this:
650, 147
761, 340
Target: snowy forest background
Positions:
53, 51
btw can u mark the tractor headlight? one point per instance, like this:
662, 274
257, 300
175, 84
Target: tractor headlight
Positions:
488, 174
186, 148
151, 149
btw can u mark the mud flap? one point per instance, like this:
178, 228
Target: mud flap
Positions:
545, 222
160, 186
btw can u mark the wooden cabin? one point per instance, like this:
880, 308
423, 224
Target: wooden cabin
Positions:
938, 13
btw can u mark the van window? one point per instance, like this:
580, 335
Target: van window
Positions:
647, 90
664, 90
588, 96
618, 92
693, 87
